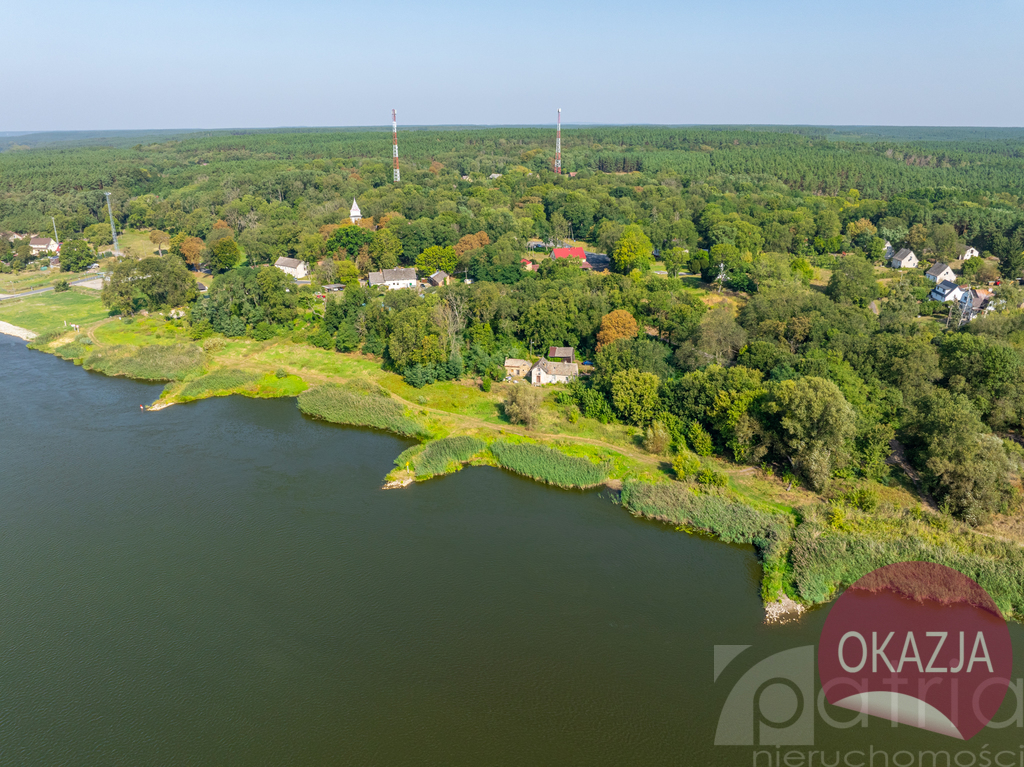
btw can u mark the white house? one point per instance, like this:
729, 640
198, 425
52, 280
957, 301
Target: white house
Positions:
546, 372
42, 245
940, 273
966, 252
904, 259
888, 251
394, 279
946, 291
292, 266
354, 213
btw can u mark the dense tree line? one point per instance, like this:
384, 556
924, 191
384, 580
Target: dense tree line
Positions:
821, 383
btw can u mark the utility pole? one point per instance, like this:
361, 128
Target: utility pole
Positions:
394, 136
113, 231
558, 144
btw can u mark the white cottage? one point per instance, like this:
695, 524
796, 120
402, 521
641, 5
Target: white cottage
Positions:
393, 279
966, 252
905, 259
940, 273
293, 267
546, 372
946, 291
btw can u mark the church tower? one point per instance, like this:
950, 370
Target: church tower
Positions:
355, 214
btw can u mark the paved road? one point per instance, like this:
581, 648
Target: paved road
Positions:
37, 291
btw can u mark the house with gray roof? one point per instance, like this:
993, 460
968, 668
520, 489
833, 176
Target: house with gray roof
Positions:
547, 372
946, 291
292, 266
940, 273
904, 259
393, 279
562, 354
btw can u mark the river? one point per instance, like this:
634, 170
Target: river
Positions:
225, 583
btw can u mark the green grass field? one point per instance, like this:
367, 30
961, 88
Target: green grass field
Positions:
49, 311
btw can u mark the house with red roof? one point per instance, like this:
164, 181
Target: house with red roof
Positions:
569, 253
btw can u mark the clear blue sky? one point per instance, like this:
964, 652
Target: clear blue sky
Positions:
115, 64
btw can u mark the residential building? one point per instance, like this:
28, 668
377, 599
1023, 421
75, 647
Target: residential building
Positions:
946, 291
494, 176
393, 279
569, 253
888, 251
517, 368
42, 245
439, 278
975, 302
940, 273
546, 372
904, 259
966, 252
562, 353
293, 267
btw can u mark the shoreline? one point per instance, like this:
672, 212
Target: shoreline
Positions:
723, 515
8, 329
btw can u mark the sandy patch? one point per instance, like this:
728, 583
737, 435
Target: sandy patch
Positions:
13, 330
783, 611
96, 284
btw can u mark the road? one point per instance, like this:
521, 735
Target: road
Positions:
37, 291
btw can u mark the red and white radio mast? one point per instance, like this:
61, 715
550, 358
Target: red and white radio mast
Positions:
558, 144
394, 135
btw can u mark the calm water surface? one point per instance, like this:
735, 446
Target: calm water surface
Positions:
224, 583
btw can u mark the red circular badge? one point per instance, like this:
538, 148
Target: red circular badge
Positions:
919, 644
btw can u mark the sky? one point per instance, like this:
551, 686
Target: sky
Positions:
118, 65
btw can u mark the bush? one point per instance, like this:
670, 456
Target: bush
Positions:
214, 344
72, 351
445, 455
485, 384
173, 362
321, 339
700, 440
218, 381
359, 404
657, 439
548, 465
262, 332
522, 405
685, 464
61, 286
200, 330
711, 478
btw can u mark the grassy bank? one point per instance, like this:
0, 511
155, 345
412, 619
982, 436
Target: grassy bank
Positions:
809, 546
50, 311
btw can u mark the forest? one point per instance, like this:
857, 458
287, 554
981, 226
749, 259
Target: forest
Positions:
747, 311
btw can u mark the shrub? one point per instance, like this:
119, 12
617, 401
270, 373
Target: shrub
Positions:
262, 332
214, 344
657, 439
218, 381
685, 464
359, 404
170, 362
61, 286
72, 351
711, 478
321, 339
485, 384
445, 455
699, 439
548, 465
522, 405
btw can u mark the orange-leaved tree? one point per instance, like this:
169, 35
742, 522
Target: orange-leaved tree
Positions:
616, 325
